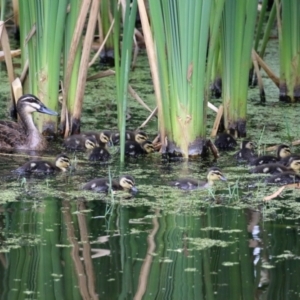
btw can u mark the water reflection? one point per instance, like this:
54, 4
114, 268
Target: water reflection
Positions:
70, 248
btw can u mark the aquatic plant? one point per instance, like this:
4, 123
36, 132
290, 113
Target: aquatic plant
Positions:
263, 28
105, 14
41, 33
43, 47
288, 25
178, 66
237, 32
71, 61
122, 63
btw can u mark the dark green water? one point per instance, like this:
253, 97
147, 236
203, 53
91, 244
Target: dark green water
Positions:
58, 242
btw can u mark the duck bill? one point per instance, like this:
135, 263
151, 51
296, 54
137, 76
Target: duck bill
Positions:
134, 189
48, 111
223, 178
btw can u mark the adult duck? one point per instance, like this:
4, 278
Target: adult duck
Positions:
24, 134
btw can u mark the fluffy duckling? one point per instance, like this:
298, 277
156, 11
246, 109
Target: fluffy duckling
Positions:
276, 168
125, 183
213, 174
225, 141
80, 142
137, 136
62, 163
283, 178
133, 148
246, 151
99, 154
287, 160
103, 137
281, 152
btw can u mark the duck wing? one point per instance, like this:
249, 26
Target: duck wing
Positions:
97, 185
11, 133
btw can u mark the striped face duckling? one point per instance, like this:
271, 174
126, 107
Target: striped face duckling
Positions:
137, 136
133, 148
103, 137
225, 141
125, 183
246, 151
24, 135
62, 163
281, 152
80, 142
213, 174
277, 168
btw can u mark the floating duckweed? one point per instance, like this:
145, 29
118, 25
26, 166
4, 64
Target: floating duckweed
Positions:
286, 255
231, 231
165, 260
135, 231
27, 292
56, 275
8, 196
267, 265
211, 229
229, 264
64, 246
204, 243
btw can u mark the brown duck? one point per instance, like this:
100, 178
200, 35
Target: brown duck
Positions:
24, 134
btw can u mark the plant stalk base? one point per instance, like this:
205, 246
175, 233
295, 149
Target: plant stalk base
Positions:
238, 128
197, 148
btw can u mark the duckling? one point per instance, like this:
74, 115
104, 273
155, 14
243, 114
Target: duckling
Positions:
213, 174
99, 154
281, 152
24, 135
133, 148
137, 136
125, 183
62, 163
276, 168
80, 142
287, 160
246, 151
103, 137
225, 141
283, 178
